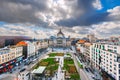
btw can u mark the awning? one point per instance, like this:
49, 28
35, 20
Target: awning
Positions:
39, 70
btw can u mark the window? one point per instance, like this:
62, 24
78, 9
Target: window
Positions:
115, 47
2, 60
115, 73
110, 54
114, 64
119, 71
110, 66
115, 51
110, 70
119, 65
110, 62
114, 68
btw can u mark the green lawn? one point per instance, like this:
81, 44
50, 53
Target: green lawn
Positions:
51, 61
55, 54
68, 54
52, 54
51, 65
75, 76
67, 63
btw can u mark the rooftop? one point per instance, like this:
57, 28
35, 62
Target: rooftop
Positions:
39, 70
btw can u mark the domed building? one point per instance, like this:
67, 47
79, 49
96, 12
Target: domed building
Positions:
59, 40
60, 34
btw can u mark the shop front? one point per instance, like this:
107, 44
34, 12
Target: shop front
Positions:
19, 60
5, 67
8, 66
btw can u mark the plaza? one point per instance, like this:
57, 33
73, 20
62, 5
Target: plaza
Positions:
58, 66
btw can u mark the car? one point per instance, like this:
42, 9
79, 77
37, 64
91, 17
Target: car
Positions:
22, 70
93, 77
10, 71
28, 63
34, 60
87, 69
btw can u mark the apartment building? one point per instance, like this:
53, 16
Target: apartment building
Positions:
28, 48
10, 57
106, 57
84, 49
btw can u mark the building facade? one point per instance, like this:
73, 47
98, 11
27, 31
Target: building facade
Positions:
106, 57
84, 48
10, 57
59, 40
28, 48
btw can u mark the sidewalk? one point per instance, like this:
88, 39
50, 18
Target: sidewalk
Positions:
59, 75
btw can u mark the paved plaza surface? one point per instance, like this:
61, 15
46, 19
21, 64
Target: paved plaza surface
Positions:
60, 74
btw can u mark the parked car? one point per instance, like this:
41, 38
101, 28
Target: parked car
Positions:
87, 69
22, 70
93, 77
10, 71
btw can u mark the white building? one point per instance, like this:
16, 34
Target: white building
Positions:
30, 48
59, 40
107, 57
25, 75
85, 49
10, 57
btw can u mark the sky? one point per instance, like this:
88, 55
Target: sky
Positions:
77, 18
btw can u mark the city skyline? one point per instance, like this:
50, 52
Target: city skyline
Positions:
76, 18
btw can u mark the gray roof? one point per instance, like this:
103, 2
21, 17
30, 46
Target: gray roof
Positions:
39, 70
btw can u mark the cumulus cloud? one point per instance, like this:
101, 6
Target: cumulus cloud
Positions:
78, 17
106, 29
36, 11
97, 4
114, 14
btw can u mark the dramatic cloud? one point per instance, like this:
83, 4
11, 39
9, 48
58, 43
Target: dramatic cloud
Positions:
114, 14
32, 11
106, 28
76, 17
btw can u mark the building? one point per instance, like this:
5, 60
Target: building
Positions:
106, 57
38, 74
10, 57
84, 49
59, 40
44, 43
25, 75
91, 38
28, 49
31, 48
